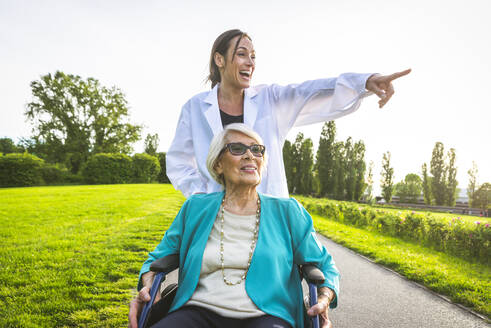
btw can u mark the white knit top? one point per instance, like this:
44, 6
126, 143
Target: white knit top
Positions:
212, 292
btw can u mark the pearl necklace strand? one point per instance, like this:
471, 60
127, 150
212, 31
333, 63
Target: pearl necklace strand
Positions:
253, 244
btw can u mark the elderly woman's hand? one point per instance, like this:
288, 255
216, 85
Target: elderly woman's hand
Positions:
321, 309
381, 85
137, 304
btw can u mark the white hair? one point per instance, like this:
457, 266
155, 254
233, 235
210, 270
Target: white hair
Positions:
220, 140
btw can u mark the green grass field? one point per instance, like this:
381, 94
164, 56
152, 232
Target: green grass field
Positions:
70, 256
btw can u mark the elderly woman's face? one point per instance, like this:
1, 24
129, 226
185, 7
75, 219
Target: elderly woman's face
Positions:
240, 170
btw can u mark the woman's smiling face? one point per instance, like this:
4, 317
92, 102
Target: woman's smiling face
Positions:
240, 170
237, 69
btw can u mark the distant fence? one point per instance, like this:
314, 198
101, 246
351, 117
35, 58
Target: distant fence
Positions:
447, 209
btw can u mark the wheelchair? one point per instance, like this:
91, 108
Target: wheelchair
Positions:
152, 313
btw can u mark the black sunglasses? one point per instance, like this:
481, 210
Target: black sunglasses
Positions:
238, 149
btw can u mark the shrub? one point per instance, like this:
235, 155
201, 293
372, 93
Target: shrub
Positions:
162, 177
454, 238
18, 170
71, 178
145, 168
108, 169
52, 174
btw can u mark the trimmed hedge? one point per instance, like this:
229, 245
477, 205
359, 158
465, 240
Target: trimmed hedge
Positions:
108, 169
55, 175
52, 174
20, 170
162, 177
145, 168
470, 242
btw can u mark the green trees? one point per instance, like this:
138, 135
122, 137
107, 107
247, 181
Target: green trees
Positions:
369, 183
482, 197
387, 174
443, 182
437, 169
409, 190
339, 171
73, 118
325, 159
7, 146
426, 185
305, 167
288, 160
451, 183
162, 176
360, 168
151, 144
299, 162
472, 186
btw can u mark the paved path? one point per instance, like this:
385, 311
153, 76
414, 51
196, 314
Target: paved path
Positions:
372, 296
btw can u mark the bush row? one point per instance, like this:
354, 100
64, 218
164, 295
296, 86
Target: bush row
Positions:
19, 170
468, 241
120, 168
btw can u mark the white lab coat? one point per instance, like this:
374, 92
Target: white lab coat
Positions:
271, 110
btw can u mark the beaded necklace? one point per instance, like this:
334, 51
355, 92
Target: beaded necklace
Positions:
253, 244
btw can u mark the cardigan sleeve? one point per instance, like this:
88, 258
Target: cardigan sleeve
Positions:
308, 249
317, 101
170, 243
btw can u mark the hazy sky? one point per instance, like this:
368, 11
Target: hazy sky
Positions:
157, 53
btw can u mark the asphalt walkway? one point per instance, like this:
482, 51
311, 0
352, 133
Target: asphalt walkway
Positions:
372, 296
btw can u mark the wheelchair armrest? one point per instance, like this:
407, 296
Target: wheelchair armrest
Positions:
165, 264
312, 274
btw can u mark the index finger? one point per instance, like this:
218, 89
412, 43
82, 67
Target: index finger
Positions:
399, 74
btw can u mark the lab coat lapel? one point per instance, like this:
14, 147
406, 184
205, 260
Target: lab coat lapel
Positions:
250, 107
212, 113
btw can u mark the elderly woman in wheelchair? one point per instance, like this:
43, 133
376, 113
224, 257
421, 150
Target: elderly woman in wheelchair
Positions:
239, 251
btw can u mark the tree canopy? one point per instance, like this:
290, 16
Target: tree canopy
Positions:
387, 181
410, 189
73, 118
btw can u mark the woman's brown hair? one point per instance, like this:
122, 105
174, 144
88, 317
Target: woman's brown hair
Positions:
221, 46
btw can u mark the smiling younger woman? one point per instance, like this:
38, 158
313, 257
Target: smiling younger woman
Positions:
270, 110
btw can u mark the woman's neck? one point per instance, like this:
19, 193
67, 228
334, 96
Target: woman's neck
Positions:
242, 201
231, 100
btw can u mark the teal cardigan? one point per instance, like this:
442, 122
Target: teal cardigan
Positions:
286, 239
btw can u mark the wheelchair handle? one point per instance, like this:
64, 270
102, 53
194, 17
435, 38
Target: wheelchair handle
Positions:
313, 301
314, 277
312, 274
159, 277
165, 264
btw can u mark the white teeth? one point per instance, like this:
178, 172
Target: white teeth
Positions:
248, 73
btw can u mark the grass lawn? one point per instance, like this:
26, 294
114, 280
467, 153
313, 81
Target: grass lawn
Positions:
70, 256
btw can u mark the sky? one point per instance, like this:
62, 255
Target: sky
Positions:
157, 53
